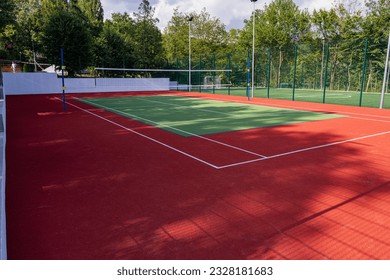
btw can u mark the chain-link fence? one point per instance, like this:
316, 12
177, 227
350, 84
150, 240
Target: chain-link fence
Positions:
348, 73
320, 72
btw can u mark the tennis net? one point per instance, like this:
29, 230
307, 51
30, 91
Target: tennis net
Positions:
188, 80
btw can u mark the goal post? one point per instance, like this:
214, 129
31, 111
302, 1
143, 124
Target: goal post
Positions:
212, 82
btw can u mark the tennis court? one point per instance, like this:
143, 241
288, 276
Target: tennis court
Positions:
178, 175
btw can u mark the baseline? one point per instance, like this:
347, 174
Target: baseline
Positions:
306, 149
297, 107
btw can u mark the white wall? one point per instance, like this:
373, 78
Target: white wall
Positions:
44, 83
75, 85
31, 83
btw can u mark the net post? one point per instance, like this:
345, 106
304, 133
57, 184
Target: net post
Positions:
94, 75
295, 70
214, 67
385, 76
269, 72
189, 53
228, 57
248, 76
177, 74
63, 79
325, 72
200, 74
363, 72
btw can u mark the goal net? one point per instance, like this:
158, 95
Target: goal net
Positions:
212, 82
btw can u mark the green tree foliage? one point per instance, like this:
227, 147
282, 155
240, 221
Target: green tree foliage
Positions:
175, 36
7, 17
110, 50
376, 28
326, 24
115, 46
93, 10
147, 37
280, 25
65, 29
208, 35
28, 28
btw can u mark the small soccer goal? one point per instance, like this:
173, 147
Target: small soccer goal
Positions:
212, 82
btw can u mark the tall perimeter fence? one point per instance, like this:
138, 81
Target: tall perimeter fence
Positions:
347, 73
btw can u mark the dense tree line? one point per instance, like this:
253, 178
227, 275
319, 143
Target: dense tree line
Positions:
36, 29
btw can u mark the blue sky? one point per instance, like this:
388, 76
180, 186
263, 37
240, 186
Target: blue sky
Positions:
231, 12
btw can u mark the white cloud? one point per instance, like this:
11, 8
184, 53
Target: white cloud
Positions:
231, 12
227, 11
316, 5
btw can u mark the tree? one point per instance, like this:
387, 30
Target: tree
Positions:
208, 35
28, 28
115, 46
7, 17
93, 10
376, 27
148, 38
326, 24
175, 37
65, 29
111, 48
282, 24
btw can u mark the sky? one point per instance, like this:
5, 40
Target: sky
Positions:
231, 12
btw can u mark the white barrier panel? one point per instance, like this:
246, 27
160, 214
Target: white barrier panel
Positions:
43, 83
31, 83
75, 85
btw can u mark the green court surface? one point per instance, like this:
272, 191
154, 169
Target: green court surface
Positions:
193, 116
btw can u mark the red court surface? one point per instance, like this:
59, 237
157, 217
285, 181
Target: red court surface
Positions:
89, 184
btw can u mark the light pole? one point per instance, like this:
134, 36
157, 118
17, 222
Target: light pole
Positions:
384, 87
253, 46
190, 18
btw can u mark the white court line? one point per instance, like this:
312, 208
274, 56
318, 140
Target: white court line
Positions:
174, 128
182, 106
302, 108
142, 135
262, 158
367, 119
306, 149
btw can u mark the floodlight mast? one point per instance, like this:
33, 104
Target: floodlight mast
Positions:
190, 18
253, 46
